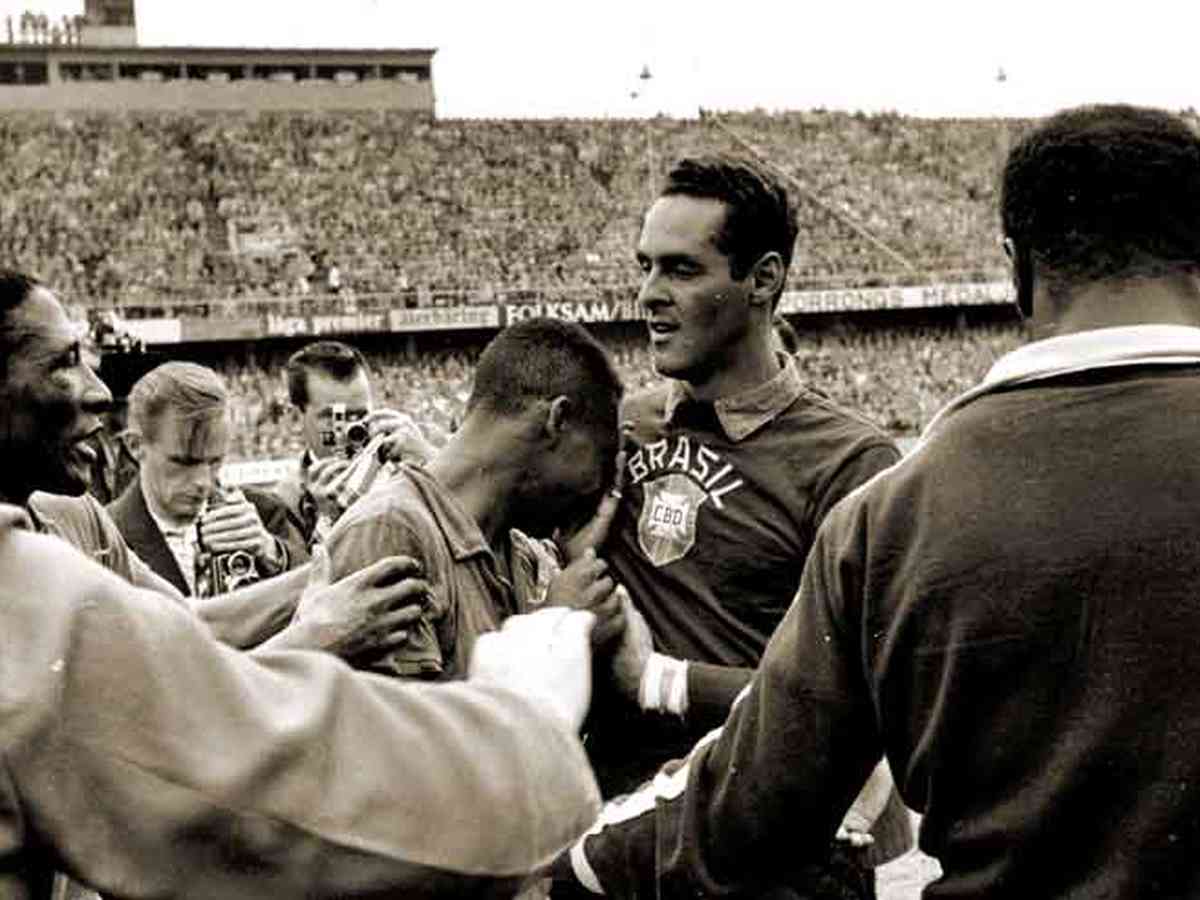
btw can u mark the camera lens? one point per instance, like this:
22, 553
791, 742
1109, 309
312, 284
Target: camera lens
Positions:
357, 433
240, 564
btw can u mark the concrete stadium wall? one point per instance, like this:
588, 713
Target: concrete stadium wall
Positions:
251, 95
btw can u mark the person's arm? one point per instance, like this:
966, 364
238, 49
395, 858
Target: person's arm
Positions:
763, 795
362, 539
143, 758
250, 615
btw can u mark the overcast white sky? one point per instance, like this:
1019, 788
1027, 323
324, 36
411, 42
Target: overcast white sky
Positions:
517, 58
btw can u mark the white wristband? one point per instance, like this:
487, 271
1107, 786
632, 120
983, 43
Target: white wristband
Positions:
664, 685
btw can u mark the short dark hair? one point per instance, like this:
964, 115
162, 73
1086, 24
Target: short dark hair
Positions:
759, 219
14, 288
337, 360
542, 358
1099, 192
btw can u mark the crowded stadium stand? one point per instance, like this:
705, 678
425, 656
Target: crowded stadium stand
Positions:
228, 205
195, 213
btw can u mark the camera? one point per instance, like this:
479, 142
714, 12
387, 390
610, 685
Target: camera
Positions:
219, 573
348, 435
230, 571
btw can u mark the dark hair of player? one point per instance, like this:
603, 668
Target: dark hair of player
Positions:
759, 219
337, 360
539, 359
1101, 192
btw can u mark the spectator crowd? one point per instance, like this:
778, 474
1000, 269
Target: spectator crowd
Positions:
896, 376
201, 212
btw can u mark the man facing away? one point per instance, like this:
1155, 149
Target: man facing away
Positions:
1009, 613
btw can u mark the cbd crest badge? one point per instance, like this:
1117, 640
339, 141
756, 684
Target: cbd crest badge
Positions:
667, 527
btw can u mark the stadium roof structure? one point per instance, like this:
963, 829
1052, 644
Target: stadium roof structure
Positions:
106, 77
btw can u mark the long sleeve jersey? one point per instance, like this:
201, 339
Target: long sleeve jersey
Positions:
722, 503
145, 759
1010, 615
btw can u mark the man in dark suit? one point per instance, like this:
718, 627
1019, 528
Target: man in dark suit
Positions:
179, 430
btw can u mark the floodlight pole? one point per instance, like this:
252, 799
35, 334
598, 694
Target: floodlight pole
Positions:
645, 77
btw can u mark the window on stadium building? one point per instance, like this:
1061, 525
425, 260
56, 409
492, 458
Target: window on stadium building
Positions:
215, 73
280, 73
142, 72
345, 74
85, 71
405, 73
24, 73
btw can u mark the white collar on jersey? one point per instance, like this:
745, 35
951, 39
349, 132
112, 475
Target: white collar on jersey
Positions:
1100, 348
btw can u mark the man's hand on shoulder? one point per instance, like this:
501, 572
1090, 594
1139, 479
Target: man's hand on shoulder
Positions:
322, 480
404, 441
368, 611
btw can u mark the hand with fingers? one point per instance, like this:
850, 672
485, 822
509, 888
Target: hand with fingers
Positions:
544, 656
322, 480
634, 649
594, 532
368, 611
868, 806
586, 585
238, 526
404, 438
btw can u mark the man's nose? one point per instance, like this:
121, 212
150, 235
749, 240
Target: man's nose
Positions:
652, 292
97, 398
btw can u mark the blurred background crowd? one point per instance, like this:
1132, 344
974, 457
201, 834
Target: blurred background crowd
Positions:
898, 376
238, 214
178, 213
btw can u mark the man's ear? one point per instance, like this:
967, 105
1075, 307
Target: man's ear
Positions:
135, 443
767, 278
1021, 268
558, 414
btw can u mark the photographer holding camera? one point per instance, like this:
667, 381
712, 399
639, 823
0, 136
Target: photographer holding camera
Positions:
175, 516
329, 385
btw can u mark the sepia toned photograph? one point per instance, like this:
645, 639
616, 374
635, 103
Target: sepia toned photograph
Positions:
551, 451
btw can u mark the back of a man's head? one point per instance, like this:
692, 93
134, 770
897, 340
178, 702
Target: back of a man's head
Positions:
184, 390
336, 360
1105, 192
540, 359
759, 218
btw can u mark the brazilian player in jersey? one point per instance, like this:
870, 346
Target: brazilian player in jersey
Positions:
732, 463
